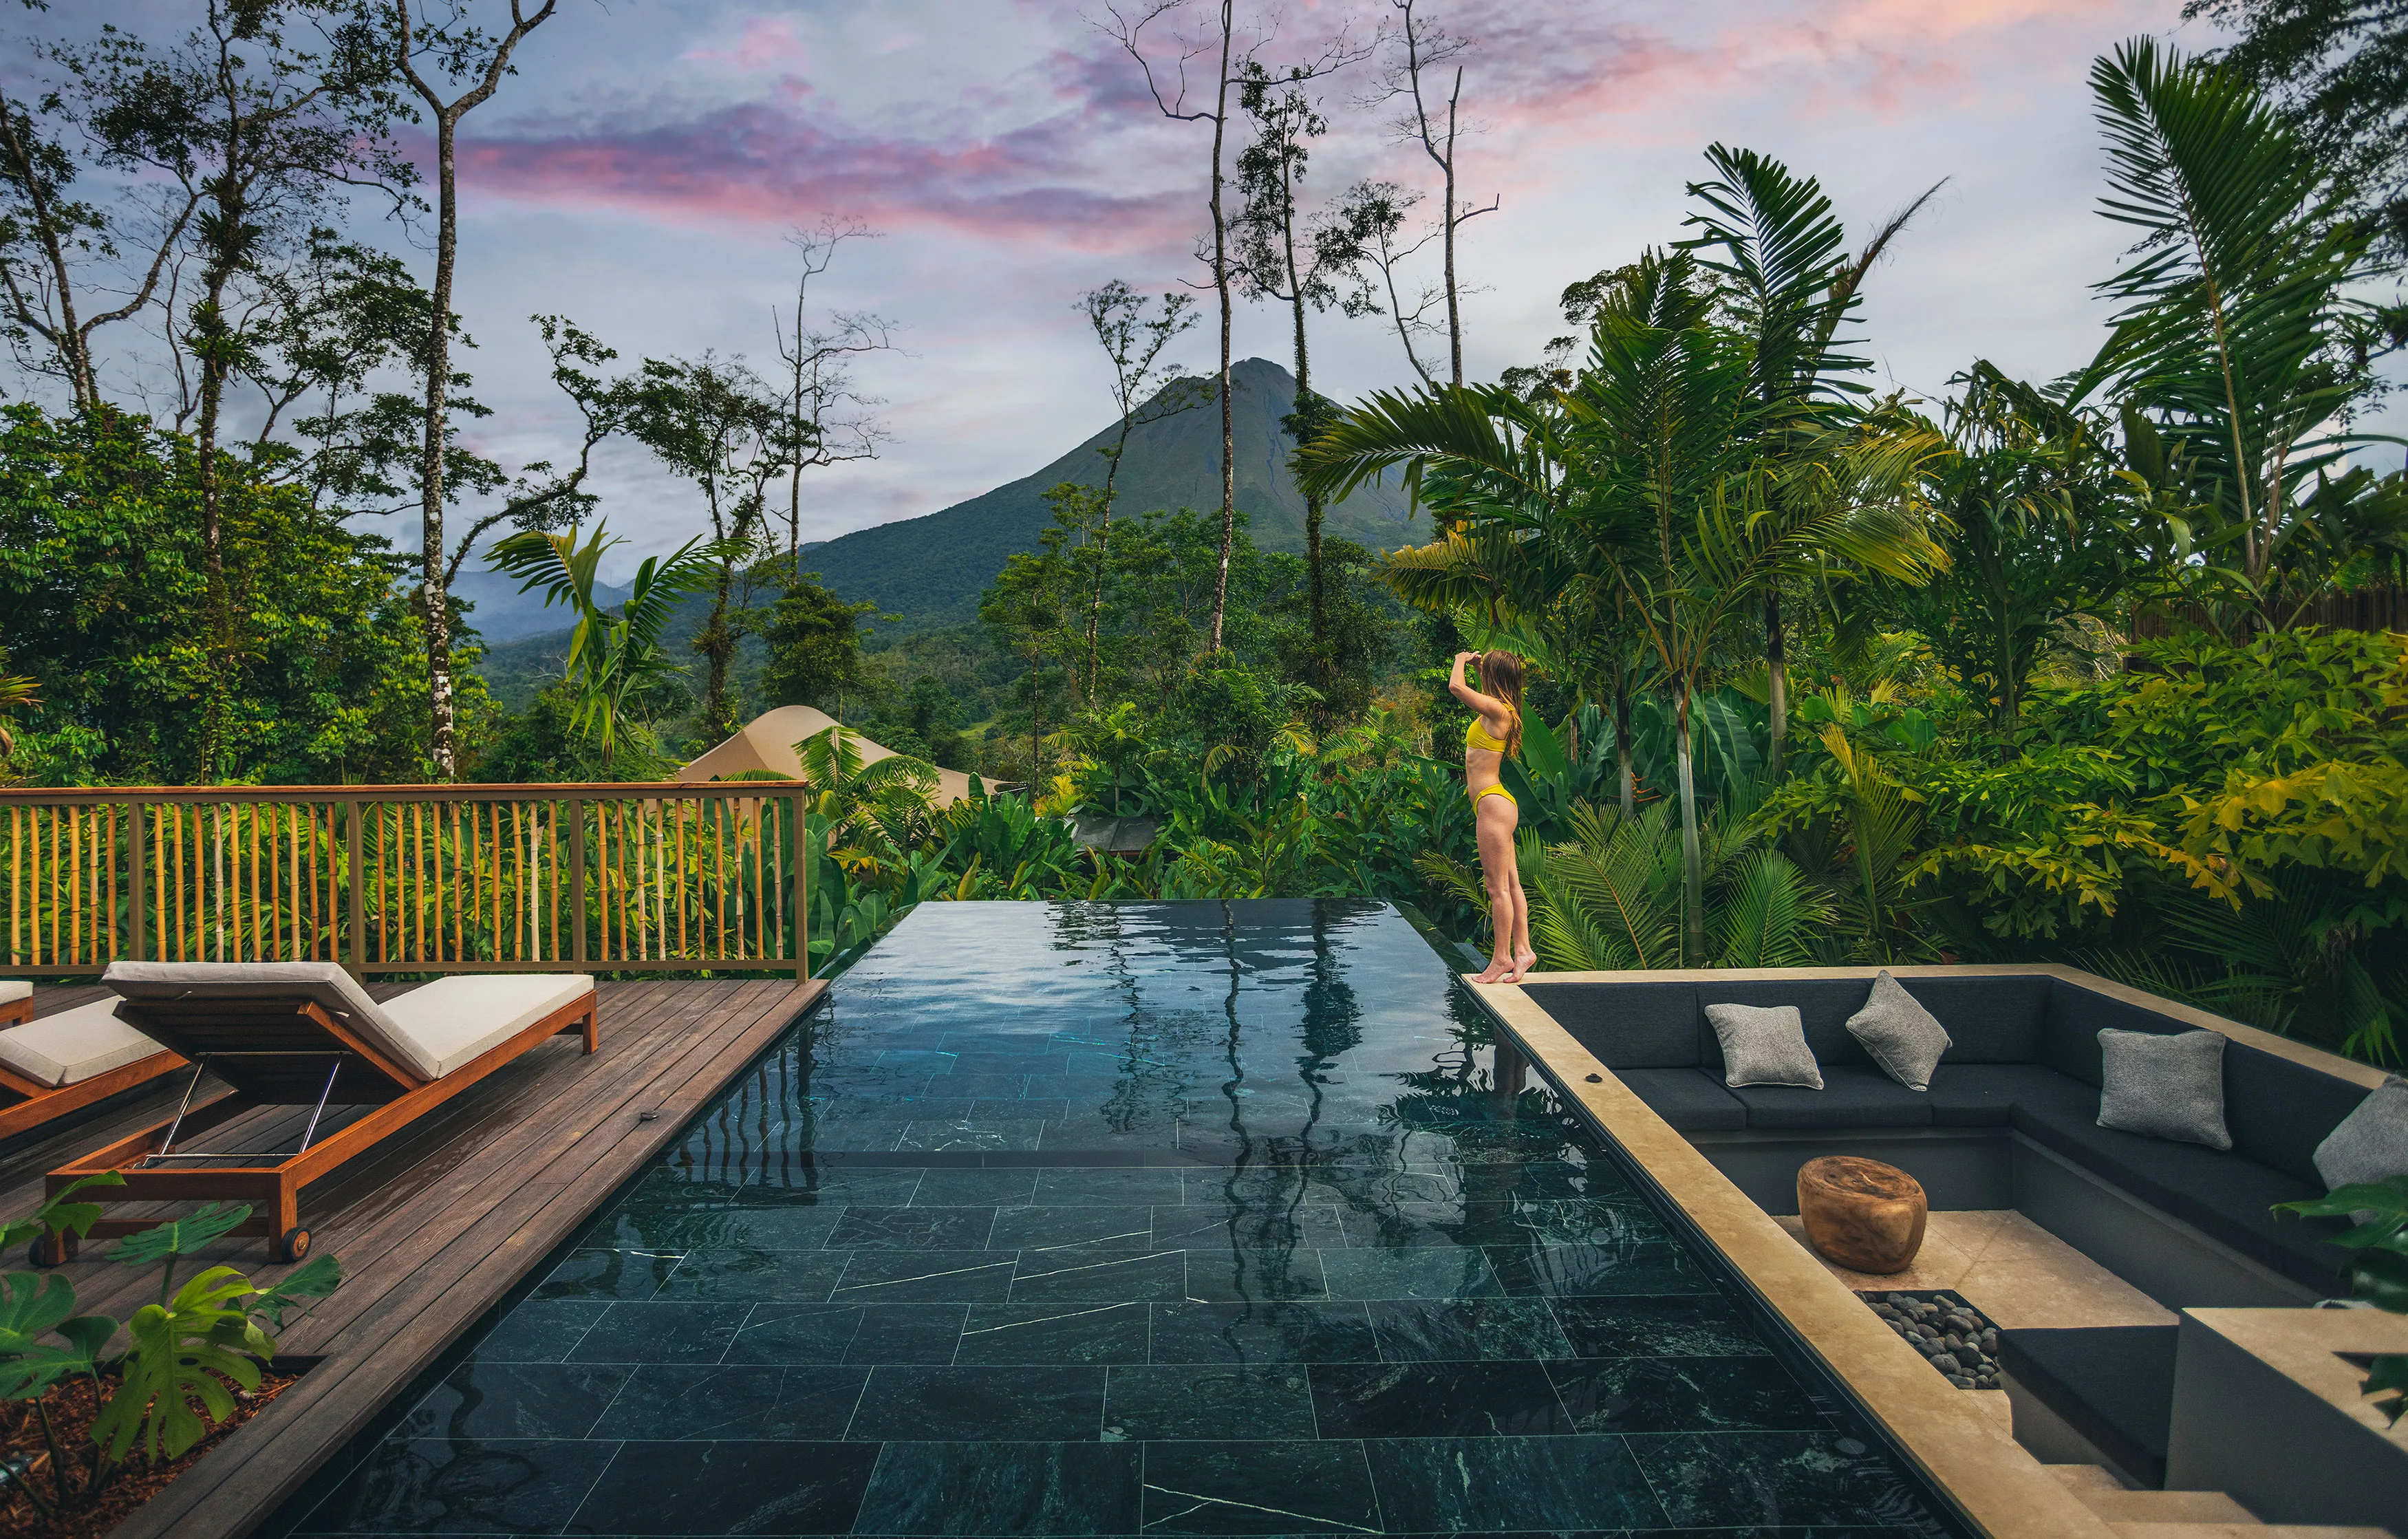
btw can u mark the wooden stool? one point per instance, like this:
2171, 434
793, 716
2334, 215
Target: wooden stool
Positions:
1861, 1213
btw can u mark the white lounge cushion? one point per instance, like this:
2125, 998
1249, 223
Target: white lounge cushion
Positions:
74, 1045
433, 1029
454, 1019
14, 989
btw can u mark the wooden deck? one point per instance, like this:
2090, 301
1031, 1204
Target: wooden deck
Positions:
434, 1225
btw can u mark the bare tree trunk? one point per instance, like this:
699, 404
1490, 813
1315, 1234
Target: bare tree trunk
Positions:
1776, 665
1453, 308
434, 601
1621, 754
1693, 866
435, 588
1221, 283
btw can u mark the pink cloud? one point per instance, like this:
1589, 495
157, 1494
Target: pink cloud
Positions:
765, 43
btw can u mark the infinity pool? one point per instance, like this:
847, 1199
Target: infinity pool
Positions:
1198, 1218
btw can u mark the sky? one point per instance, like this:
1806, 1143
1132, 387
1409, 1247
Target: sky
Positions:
642, 170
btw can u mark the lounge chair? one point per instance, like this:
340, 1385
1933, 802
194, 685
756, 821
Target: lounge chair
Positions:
69, 1060
15, 1001
304, 1034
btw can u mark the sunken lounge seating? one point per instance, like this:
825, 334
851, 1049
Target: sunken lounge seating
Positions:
2011, 1118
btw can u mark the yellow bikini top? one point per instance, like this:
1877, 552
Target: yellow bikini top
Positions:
1476, 736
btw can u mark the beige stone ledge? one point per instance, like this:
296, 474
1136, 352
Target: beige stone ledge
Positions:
2305, 1345
1962, 1450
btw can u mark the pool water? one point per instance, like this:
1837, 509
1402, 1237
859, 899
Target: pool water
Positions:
1200, 1218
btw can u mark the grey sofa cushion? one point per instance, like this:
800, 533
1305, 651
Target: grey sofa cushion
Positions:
1900, 1034
1823, 1006
2226, 1196
2371, 1143
1851, 1097
1763, 1044
1985, 1095
1688, 1099
2164, 1087
1991, 1019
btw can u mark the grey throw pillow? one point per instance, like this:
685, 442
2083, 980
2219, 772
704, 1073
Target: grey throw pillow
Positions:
2167, 1087
1764, 1044
2369, 1144
1900, 1033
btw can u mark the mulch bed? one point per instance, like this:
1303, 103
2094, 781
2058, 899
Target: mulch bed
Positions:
72, 1406
1952, 1336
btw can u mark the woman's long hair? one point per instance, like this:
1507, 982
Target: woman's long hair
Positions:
1500, 675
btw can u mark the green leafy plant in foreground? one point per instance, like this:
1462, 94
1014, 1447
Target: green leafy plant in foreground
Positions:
184, 1348
2378, 1270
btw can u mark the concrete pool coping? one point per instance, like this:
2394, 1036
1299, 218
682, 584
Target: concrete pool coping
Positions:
1995, 1483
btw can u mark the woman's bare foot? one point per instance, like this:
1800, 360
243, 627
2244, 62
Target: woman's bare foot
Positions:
1524, 961
1498, 968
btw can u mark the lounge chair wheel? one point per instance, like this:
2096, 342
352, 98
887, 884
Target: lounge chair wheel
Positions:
47, 1252
294, 1246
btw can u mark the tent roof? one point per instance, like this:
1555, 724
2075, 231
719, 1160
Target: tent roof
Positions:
768, 742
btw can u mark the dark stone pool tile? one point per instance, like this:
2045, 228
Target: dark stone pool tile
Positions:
542, 1330
1682, 1325
868, 1185
787, 1227
1035, 1229
515, 1399
938, 1276
756, 1276
443, 1486
1552, 1222
1578, 1271
795, 1333
662, 1333
662, 1403
1730, 1479
1685, 1395
1003, 1063
609, 1274
969, 1136
1466, 1485
1073, 1333
726, 1488
1234, 1276
1415, 1273
1021, 1108
1437, 1400
1003, 1490
1101, 1273
1258, 1487
1465, 1330
1263, 1333
975, 1188
1223, 1226
997, 1404
1108, 1186
1208, 1401
985, 1086
912, 1228
907, 1333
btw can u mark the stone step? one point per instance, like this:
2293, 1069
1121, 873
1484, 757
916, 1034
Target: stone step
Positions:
2086, 1477
2123, 1507
2245, 1530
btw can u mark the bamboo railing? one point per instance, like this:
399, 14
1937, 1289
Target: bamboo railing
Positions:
652, 877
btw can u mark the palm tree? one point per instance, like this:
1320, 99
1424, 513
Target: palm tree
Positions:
1644, 479
611, 658
2235, 339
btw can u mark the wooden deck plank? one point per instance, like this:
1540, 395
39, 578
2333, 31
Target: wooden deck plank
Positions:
421, 1317
436, 1224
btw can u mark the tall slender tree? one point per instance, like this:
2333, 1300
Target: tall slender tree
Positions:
1421, 70
829, 420
1133, 337
433, 56
1291, 260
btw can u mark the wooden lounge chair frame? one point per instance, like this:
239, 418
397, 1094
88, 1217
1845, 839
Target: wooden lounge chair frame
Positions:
297, 1054
46, 1102
17, 1011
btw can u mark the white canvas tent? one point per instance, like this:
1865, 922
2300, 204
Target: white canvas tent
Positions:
768, 742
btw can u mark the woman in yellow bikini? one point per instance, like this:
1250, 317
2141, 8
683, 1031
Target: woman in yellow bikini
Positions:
1495, 732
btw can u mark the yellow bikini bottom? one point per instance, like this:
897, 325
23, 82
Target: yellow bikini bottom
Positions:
1495, 791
